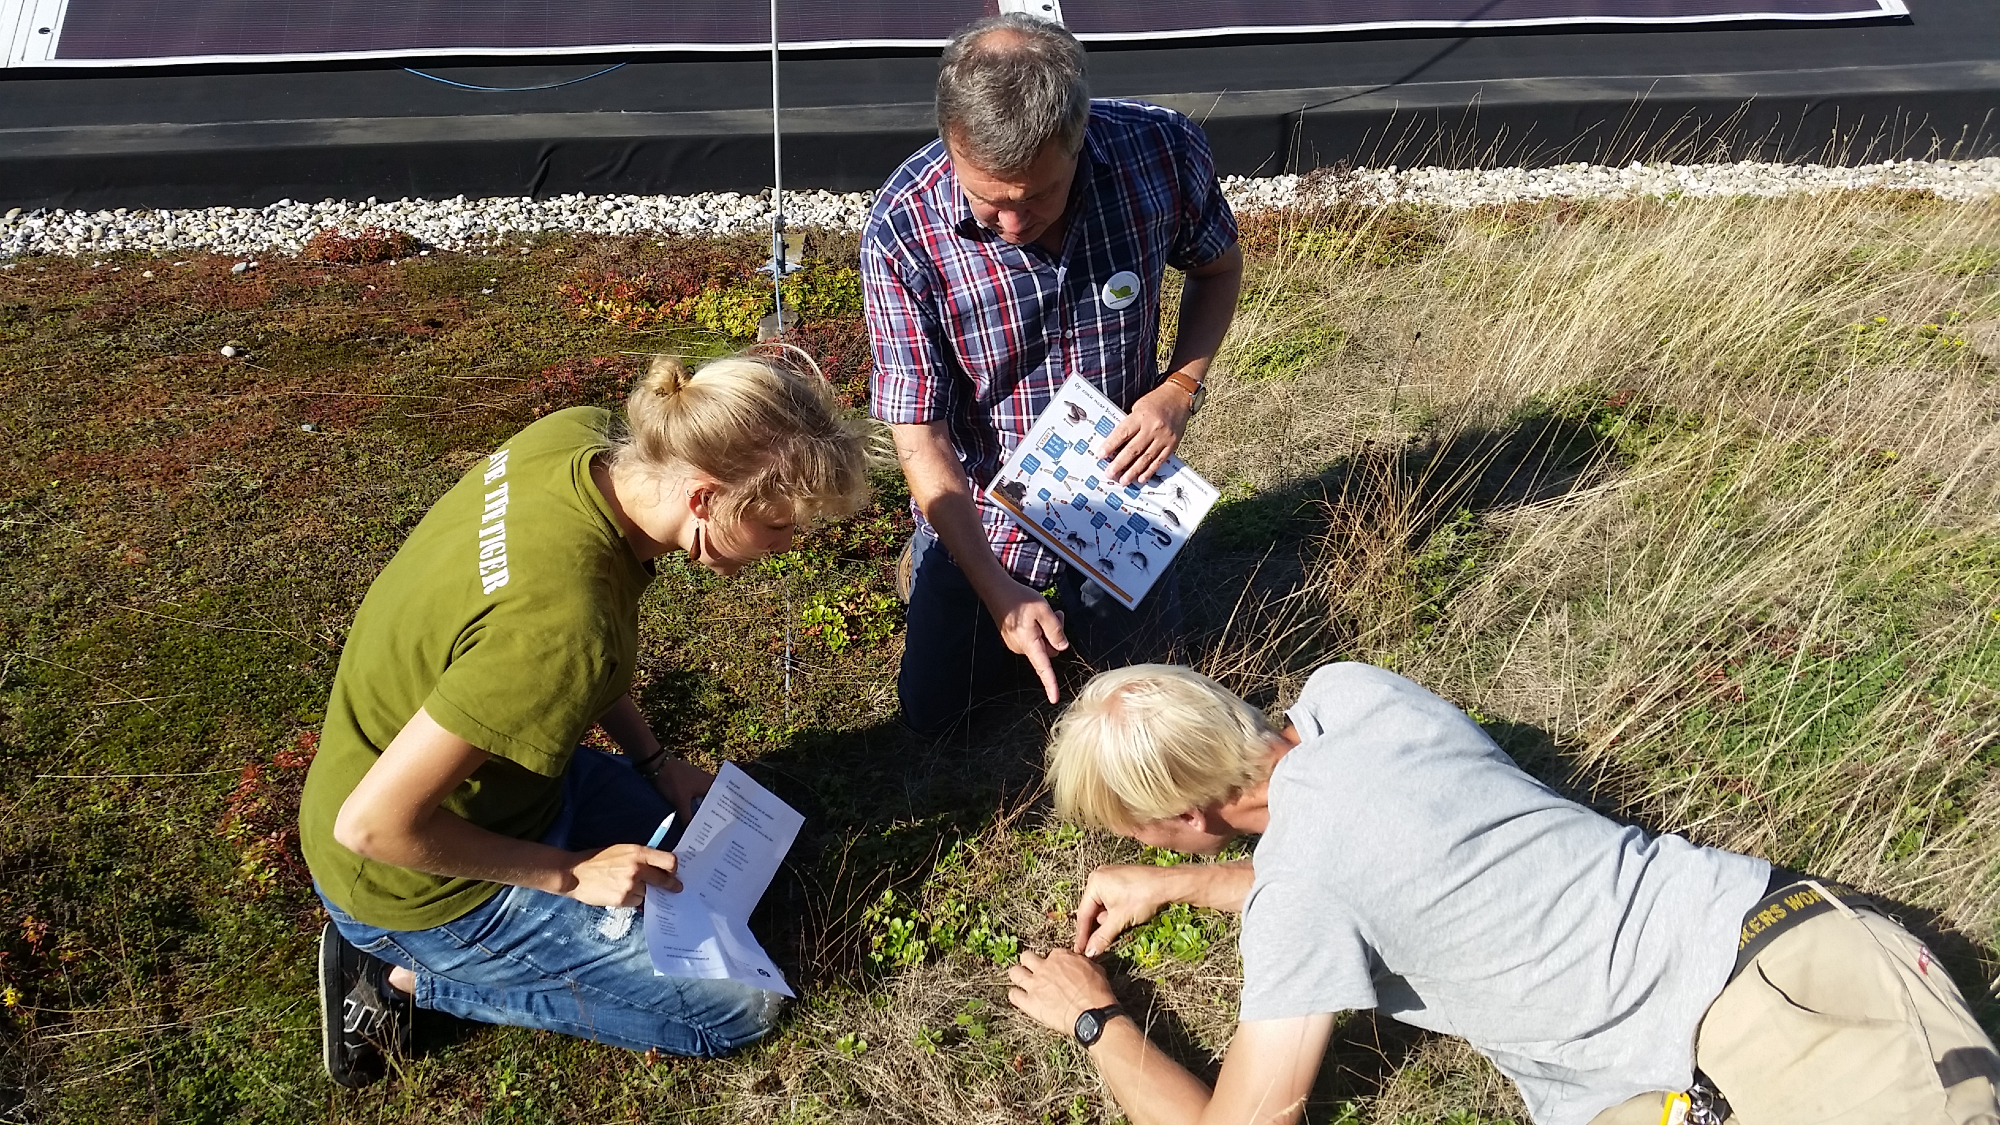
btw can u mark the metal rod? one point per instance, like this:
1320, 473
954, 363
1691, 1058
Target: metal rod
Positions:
777, 188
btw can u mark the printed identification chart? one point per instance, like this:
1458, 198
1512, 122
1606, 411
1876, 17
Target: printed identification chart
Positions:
1059, 487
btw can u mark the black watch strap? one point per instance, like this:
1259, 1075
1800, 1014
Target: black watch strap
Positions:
1091, 1023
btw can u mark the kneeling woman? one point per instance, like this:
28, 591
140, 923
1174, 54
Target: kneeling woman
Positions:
465, 847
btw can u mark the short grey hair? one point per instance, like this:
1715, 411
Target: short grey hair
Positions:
1000, 101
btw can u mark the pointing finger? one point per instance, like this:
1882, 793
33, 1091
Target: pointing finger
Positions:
1038, 655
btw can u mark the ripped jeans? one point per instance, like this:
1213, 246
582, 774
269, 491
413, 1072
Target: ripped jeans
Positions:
533, 959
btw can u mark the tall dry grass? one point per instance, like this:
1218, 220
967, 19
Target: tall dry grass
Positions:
1760, 606
1693, 504
1788, 530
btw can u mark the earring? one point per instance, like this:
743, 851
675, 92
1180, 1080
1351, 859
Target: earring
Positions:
700, 525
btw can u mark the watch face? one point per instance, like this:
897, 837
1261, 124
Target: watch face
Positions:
1200, 396
1088, 1028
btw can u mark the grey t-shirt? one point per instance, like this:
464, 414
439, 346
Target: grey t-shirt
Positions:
1411, 866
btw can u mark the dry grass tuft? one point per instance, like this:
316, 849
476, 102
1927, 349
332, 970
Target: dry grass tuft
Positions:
1694, 504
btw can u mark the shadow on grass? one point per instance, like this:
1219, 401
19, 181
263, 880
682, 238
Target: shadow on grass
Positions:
1140, 998
883, 805
1379, 512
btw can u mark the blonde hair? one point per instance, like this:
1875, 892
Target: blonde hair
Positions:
770, 435
1153, 741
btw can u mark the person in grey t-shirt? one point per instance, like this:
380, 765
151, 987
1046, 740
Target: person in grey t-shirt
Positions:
1408, 865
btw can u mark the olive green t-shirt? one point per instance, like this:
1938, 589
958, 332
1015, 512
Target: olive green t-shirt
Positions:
511, 616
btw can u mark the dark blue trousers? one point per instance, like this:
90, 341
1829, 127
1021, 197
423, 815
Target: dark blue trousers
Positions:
954, 659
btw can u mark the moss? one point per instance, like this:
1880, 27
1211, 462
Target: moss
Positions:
1287, 355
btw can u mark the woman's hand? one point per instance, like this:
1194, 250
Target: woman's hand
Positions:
619, 875
681, 782
677, 781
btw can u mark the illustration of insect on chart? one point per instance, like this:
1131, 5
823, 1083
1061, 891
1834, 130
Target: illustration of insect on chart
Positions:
1059, 487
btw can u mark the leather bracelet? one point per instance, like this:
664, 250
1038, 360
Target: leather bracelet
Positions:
651, 767
1195, 389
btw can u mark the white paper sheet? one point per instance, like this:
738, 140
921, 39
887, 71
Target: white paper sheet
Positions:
1056, 485
731, 850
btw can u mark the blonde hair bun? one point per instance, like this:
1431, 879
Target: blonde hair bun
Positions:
665, 377
773, 437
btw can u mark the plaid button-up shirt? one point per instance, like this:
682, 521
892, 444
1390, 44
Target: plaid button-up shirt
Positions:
980, 333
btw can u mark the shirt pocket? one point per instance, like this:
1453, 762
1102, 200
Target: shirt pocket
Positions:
1115, 348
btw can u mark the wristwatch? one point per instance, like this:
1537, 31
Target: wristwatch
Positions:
1197, 391
1090, 1025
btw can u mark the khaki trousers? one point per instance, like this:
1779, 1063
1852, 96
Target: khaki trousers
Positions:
1846, 1019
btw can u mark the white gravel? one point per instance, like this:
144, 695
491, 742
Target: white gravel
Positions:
461, 223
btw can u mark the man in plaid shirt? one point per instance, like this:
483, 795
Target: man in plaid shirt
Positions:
1029, 243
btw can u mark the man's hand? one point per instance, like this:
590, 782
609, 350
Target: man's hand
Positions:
1149, 434
1028, 624
681, 781
1032, 627
619, 875
1118, 897
1057, 988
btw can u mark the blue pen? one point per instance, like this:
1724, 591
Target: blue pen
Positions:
660, 833
667, 826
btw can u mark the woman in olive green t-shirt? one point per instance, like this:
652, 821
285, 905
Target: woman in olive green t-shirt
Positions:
472, 859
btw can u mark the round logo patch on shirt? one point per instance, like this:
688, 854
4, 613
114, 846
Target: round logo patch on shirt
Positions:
1121, 290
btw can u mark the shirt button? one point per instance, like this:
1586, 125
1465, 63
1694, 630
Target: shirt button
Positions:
1069, 333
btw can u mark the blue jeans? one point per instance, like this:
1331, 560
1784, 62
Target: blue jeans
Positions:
532, 959
953, 657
